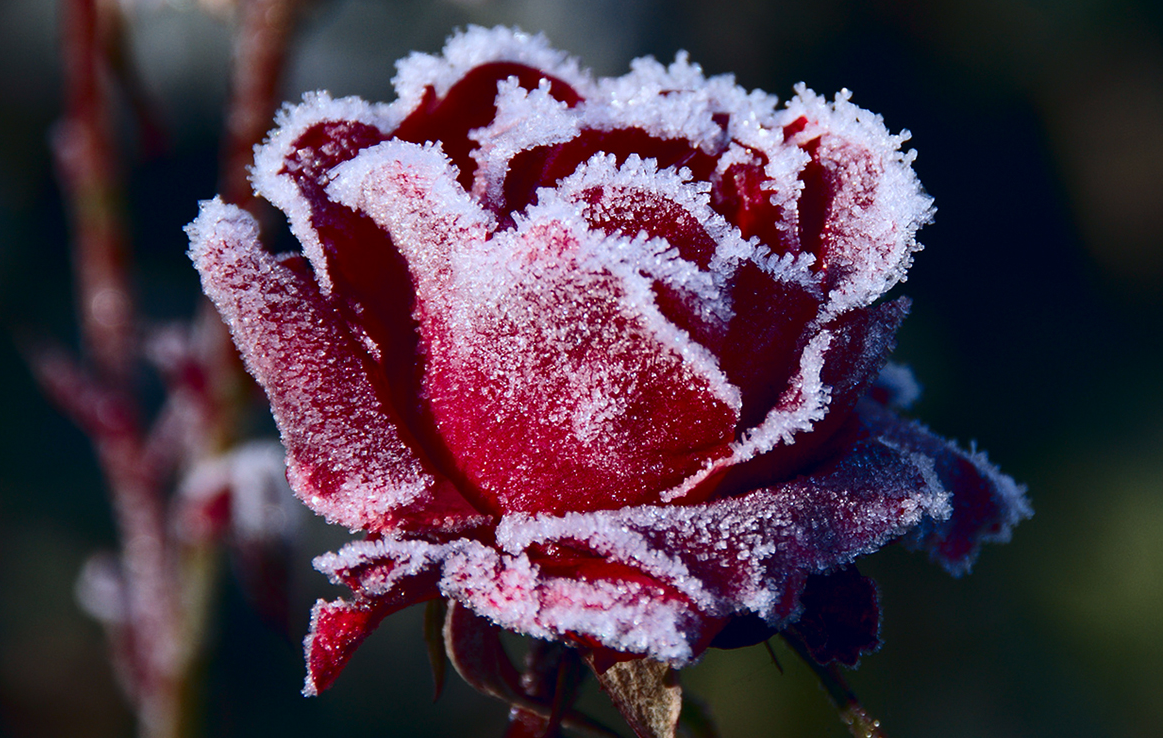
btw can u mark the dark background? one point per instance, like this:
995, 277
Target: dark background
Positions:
1036, 331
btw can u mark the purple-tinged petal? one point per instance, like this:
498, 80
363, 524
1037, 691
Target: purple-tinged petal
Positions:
986, 503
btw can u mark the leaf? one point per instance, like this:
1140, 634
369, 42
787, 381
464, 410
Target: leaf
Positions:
474, 647
646, 692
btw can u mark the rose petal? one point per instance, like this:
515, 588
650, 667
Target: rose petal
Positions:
347, 457
621, 409
861, 203
986, 503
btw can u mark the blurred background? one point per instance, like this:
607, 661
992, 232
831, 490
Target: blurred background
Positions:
1037, 331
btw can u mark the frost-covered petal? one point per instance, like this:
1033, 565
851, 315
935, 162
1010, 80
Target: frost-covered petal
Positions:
661, 581
986, 504
552, 378
861, 203
338, 628
347, 456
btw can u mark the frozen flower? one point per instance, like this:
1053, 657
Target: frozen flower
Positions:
599, 360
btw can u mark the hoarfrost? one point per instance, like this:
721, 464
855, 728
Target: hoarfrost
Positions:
346, 454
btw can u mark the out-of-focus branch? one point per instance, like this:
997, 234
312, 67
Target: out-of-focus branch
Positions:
155, 594
98, 391
87, 162
264, 32
260, 51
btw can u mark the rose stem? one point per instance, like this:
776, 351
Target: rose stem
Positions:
852, 713
86, 157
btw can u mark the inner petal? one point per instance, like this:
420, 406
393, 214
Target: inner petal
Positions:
560, 396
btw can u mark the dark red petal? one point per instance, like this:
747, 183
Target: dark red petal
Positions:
520, 442
841, 183
634, 211
862, 340
739, 194
551, 394
986, 503
369, 278
338, 628
544, 166
469, 104
631, 211
841, 617
765, 338
348, 456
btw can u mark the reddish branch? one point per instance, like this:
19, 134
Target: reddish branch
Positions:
260, 52
155, 640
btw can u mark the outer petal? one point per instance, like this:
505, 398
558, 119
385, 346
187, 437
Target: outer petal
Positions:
861, 203
347, 457
986, 503
662, 581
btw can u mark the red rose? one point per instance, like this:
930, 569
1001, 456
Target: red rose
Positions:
597, 360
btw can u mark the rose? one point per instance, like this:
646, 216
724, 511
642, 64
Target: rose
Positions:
597, 360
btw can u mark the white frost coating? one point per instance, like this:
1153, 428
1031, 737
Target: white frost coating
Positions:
411, 192
677, 101
877, 241
607, 534
901, 386
477, 46
741, 554
803, 403
602, 173
327, 411
270, 156
524, 120
637, 263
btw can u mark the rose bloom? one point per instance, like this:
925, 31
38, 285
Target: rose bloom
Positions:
598, 360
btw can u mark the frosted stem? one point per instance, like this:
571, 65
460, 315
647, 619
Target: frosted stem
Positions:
852, 713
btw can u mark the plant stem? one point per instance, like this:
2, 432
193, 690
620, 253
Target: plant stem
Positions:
852, 713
